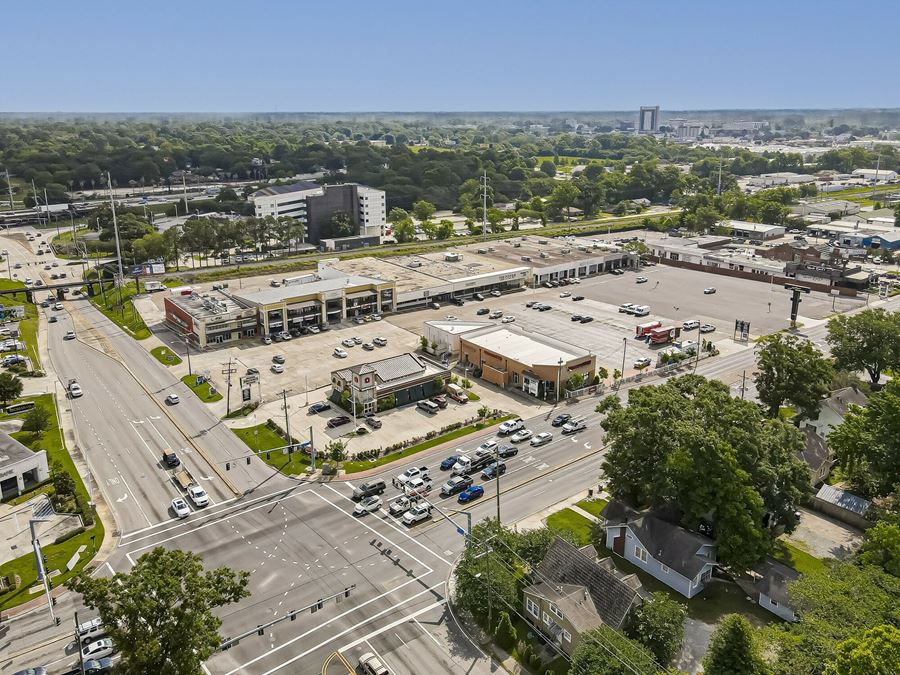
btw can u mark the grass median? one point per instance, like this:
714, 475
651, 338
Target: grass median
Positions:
262, 439
357, 466
202, 390
123, 313
165, 356
57, 555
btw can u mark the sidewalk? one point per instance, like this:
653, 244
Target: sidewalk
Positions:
536, 520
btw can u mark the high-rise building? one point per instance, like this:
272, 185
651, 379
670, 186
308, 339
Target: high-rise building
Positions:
648, 121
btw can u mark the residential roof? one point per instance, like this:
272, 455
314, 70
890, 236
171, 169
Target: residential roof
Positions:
841, 400
11, 451
531, 349
815, 451
674, 546
612, 595
774, 579
573, 600
843, 499
285, 189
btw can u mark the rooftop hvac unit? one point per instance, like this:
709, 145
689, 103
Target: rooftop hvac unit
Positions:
491, 249
526, 258
414, 263
452, 257
564, 251
517, 245
544, 255
583, 249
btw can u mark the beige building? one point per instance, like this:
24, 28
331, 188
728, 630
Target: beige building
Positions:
514, 358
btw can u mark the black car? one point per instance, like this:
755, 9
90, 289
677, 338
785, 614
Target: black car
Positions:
338, 421
577, 298
530, 304
544, 308
508, 451
482, 310
617, 272
170, 459
319, 407
587, 319
459, 302
559, 420
492, 470
576, 317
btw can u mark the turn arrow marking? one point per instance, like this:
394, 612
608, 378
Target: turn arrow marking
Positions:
122, 498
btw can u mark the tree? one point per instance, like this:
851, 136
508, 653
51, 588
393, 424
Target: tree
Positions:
444, 229
564, 197
423, 343
423, 210
336, 451
10, 387
548, 168
658, 624
341, 224
485, 571
227, 195
404, 231
832, 604
867, 341
733, 649
37, 420
792, 371
63, 483
868, 440
605, 651
505, 634
438, 384
397, 215
495, 218
575, 381
875, 652
161, 614
881, 547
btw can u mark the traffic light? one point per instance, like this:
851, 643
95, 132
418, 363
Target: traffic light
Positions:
228, 466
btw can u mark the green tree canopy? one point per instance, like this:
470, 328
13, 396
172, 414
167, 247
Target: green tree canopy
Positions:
605, 651
658, 624
10, 387
733, 649
423, 210
404, 231
881, 547
875, 652
37, 420
161, 614
792, 371
867, 341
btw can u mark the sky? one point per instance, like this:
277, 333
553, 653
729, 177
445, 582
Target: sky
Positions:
489, 55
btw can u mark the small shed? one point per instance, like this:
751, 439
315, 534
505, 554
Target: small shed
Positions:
845, 506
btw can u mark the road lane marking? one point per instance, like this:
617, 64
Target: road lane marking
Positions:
390, 626
416, 621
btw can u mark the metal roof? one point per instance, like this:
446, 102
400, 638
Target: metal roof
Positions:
844, 499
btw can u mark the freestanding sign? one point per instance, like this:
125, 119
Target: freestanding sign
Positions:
741, 330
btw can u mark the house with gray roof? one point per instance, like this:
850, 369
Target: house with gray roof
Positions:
817, 456
767, 583
574, 593
681, 559
408, 377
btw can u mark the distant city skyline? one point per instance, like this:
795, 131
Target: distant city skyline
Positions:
463, 56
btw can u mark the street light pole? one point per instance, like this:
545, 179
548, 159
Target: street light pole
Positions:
558, 375
39, 559
624, 349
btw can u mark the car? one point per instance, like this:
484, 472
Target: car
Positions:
709, 291
530, 304
170, 459
55, 264
707, 328
368, 346
495, 293
505, 451
575, 425
373, 421
172, 399
376, 486
448, 463
314, 330
493, 470
13, 359
544, 308
642, 362
565, 294
379, 341
578, 298
98, 666
340, 353
180, 507
478, 296
510, 426
690, 324
18, 266
487, 447
45, 304
409, 474
482, 310
359, 320
316, 408
98, 649
277, 368
75, 389
401, 505
541, 439
37, 670
470, 494
357, 340
618, 272
267, 340
370, 664
338, 421
626, 307
440, 401
576, 317
559, 420
641, 280
70, 335
416, 514
376, 317
253, 371
418, 486
522, 435
348, 342
58, 306
587, 319
278, 358
496, 314
508, 319
434, 305
47, 267
285, 335
367, 505
455, 484
277, 337
198, 495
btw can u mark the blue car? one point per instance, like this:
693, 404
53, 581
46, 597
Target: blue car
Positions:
470, 494
448, 463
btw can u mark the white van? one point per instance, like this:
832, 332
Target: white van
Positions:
91, 630
641, 310
428, 406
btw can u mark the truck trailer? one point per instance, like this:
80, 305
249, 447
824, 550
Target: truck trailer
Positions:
664, 334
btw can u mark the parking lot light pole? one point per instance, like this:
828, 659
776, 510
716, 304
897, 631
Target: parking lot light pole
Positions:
624, 349
558, 376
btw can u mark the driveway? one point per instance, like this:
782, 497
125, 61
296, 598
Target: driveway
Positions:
824, 537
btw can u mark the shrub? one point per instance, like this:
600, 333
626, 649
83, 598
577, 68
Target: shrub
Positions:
505, 633
68, 535
535, 661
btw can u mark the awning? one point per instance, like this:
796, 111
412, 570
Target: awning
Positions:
361, 294
303, 305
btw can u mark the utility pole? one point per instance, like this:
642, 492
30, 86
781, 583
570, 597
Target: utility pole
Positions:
36, 202
39, 560
184, 192
743, 384
558, 377
228, 373
47, 206
624, 349
112, 203
497, 457
9, 187
287, 421
312, 451
187, 345
78, 642
877, 169
484, 206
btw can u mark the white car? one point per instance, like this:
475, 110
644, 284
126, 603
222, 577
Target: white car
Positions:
58, 306
709, 291
357, 340
75, 390
522, 435
641, 280
565, 294
417, 513
488, 446
627, 307
172, 399
707, 328
508, 319
372, 665
367, 505
277, 368
98, 649
417, 487
180, 507
642, 362
380, 341
267, 340
70, 335
541, 439
198, 495
690, 324
376, 317
510, 426
340, 353
348, 342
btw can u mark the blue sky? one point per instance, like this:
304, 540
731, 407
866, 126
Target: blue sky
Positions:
392, 55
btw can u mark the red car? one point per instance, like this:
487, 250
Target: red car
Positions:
338, 421
440, 401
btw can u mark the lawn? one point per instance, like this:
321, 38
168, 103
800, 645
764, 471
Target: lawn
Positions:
165, 356
567, 519
354, 467
57, 554
123, 315
792, 556
592, 506
261, 438
472, 396
201, 390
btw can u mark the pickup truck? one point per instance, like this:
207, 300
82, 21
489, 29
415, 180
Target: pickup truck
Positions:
467, 465
417, 487
409, 474
401, 505
510, 427
170, 459
577, 424
416, 514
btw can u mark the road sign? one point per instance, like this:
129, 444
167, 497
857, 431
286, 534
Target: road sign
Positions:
742, 329
250, 379
461, 531
245, 394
